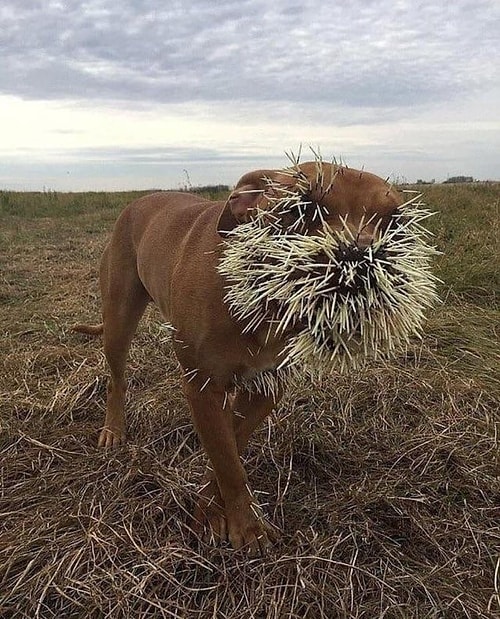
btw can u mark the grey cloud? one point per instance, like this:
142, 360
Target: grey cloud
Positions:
112, 156
362, 54
155, 155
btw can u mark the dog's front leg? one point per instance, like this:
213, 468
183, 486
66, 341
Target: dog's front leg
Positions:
239, 519
248, 411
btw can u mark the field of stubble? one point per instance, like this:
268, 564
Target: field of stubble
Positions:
385, 484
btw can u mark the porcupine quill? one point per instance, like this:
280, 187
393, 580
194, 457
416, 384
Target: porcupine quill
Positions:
345, 303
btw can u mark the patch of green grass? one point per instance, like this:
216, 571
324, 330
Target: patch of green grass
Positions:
467, 229
32, 205
58, 204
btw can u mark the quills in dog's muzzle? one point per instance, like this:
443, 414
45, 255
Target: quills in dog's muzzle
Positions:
335, 302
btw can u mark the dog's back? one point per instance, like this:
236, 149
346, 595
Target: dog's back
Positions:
172, 237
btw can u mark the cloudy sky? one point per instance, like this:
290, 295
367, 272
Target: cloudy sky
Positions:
101, 94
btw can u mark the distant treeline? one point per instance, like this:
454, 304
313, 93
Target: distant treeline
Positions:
459, 179
209, 191
450, 180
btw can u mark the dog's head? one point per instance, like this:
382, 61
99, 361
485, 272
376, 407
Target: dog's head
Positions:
355, 202
330, 258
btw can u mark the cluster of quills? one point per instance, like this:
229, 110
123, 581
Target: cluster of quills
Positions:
335, 304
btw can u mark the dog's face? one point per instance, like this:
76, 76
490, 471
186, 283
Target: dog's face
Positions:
330, 257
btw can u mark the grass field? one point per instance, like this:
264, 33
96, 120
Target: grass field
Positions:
385, 484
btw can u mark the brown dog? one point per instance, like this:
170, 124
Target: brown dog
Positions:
165, 248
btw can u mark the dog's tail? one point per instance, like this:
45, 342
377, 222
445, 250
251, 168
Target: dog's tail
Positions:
88, 329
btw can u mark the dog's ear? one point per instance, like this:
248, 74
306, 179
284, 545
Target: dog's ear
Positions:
243, 200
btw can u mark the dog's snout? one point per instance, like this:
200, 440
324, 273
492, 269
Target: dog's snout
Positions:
368, 234
364, 239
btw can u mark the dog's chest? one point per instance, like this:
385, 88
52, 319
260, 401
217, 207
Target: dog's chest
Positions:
260, 358
259, 373
251, 373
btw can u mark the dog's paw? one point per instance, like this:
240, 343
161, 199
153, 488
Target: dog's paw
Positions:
249, 531
209, 518
109, 438
243, 525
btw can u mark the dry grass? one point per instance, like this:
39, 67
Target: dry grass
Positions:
385, 484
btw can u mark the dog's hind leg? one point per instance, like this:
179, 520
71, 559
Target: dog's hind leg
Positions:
124, 301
